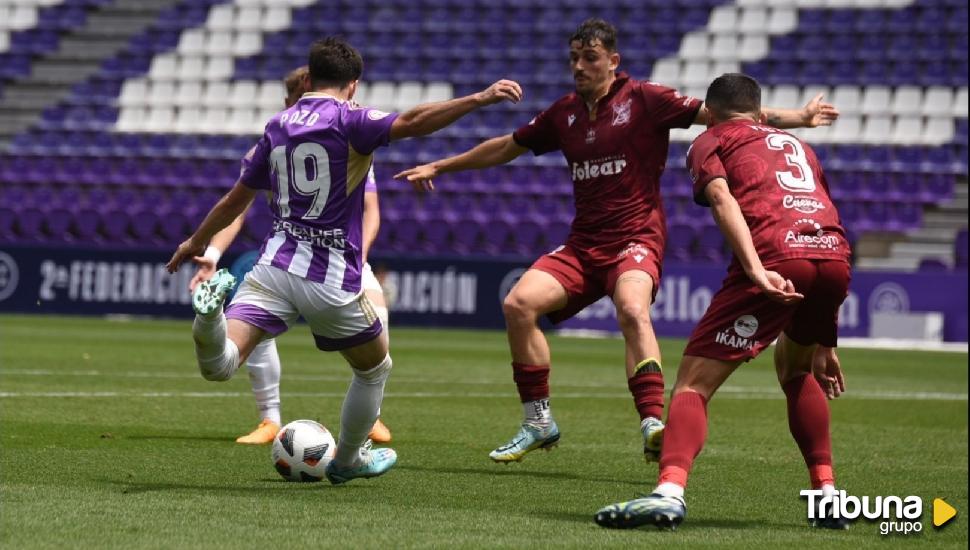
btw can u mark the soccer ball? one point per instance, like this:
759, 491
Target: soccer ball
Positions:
302, 449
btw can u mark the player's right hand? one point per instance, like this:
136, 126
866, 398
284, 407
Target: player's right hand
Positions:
501, 90
188, 249
776, 287
828, 371
207, 268
420, 177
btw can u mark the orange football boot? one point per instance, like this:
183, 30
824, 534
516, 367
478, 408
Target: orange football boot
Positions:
379, 433
262, 435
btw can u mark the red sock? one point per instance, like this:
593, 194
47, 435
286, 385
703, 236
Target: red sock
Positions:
648, 393
532, 381
683, 437
808, 420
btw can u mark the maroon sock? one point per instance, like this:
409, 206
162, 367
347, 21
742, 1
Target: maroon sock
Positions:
648, 393
683, 437
808, 420
532, 381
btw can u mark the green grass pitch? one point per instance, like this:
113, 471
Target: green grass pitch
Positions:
109, 438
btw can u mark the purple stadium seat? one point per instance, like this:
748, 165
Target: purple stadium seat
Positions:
29, 223
680, 239
933, 265
710, 245
961, 249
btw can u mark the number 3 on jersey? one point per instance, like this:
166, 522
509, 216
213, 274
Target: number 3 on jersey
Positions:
309, 178
804, 180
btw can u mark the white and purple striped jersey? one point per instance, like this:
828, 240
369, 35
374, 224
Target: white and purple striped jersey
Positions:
313, 158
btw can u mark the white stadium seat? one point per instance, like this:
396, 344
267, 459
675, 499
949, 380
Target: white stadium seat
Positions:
249, 18
362, 95
695, 45
188, 120
847, 129
22, 17
216, 93
438, 91
163, 67
221, 17
247, 43
907, 100
753, 20
408, 95
938, 130
192, 42
723, 19
134, 92
242, 94
907, 129
131, 119
809, 93
160, 119
161, 93
848, 99
276, 18
218, 68
876, 128
783, 97
875, 100
666, 70
753, 47
189, 93
241, 120
696, 73
782, 20
381, 95
960, 103
271, 95
214, 120
191, 68
219, 43
724, 46
938, 100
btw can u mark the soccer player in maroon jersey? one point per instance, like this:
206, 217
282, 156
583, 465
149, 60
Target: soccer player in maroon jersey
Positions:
788, 277
614, 132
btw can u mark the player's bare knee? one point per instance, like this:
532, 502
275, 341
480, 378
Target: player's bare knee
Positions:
517, 309
633, 317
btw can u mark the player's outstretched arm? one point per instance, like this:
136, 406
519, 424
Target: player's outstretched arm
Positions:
493, 152
229, 207
431, 117
730, 220
217, 247
815, 113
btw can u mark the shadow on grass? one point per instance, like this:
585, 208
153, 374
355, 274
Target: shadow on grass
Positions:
265, 485
512, 470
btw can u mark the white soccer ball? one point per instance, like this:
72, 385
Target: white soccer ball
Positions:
302, 449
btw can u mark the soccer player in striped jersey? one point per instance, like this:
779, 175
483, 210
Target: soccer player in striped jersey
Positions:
313, 159
263, 363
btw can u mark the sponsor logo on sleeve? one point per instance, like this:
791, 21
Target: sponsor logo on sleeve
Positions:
569, 120
375, 114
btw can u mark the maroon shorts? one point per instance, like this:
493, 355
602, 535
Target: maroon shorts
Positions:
586, 283
741, 321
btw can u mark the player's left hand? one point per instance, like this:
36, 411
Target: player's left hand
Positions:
188, 249
420, 177
819, 113
827, 370
776, 287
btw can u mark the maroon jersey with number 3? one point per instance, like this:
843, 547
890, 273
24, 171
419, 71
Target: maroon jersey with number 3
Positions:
779, 185
615, 161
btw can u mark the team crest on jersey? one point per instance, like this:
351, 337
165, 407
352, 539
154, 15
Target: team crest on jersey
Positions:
570, 119
621, 112
590, 136
375, 114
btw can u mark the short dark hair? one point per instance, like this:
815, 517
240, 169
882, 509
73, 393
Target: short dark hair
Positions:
595, 29
734, 93
334, 63
294, 82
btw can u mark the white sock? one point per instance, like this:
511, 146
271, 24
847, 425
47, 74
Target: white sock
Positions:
669, 489
264, 376
218, 356
360, 410
537, 413
828, 490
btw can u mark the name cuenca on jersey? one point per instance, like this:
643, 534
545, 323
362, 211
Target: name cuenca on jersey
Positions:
313, 158
779, 186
